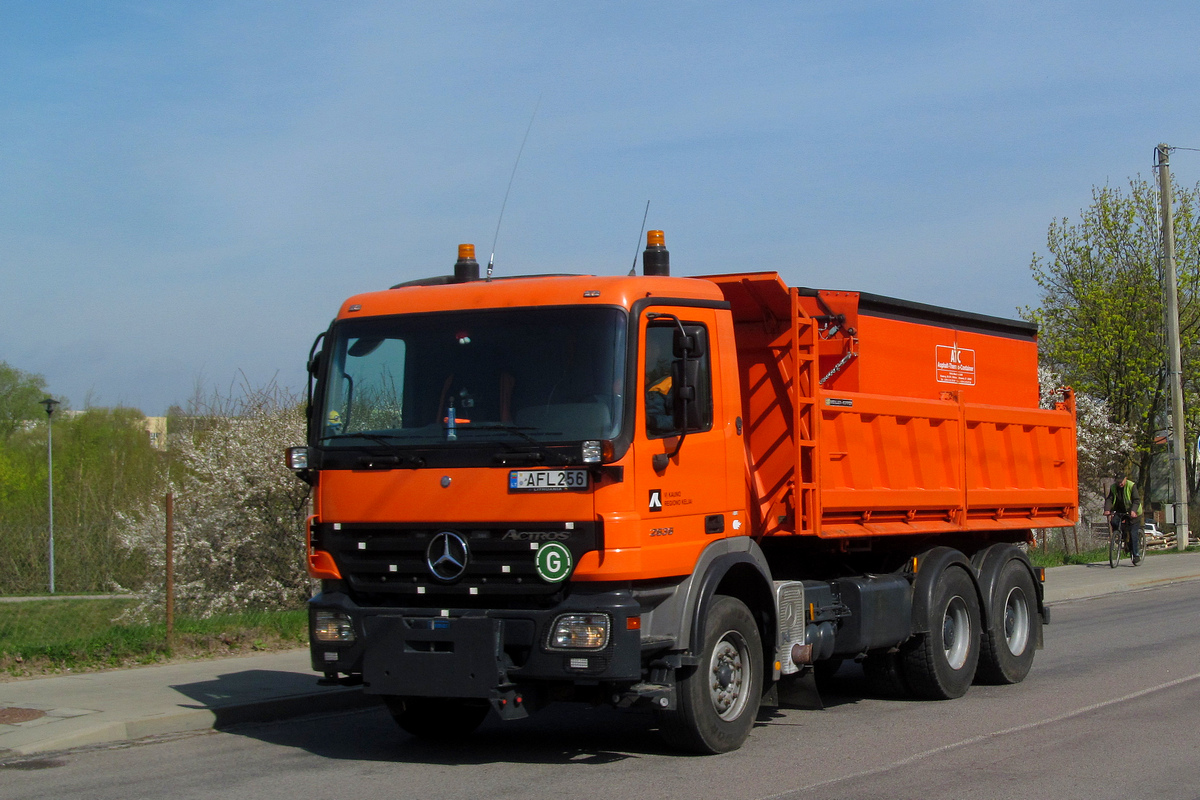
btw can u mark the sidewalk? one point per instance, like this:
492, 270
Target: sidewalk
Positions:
1080, 581
47, 714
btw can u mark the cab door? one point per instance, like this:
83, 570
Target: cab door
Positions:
680, 442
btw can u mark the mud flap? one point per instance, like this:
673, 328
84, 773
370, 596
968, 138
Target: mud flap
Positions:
800, 691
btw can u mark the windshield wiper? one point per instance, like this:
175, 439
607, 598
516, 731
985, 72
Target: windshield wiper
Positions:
398, 457
541, 453
520, 458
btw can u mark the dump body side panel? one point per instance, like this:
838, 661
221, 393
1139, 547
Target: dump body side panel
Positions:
908, 358
890, 465
1021, 467
873, 417
895, 466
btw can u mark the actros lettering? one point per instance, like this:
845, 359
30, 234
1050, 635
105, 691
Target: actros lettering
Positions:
537, 536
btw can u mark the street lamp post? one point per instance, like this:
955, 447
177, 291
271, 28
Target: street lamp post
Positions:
50, 403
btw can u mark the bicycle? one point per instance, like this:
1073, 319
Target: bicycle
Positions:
1119, 542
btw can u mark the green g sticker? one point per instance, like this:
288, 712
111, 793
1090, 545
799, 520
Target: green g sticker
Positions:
553, 562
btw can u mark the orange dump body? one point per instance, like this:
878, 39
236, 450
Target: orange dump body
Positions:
867, 416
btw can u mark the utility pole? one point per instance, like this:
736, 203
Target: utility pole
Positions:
1178, 422
50, 403
170, 570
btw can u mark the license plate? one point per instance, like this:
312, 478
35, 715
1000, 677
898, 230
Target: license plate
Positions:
547, 480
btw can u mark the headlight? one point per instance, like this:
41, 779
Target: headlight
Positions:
332, 627
596, 451
591, 452
579, 632
297, 458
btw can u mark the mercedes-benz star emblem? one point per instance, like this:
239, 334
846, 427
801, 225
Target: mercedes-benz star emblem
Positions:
447, 556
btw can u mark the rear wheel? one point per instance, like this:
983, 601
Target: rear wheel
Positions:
1010, 641
940, 664
437, 718
718, 700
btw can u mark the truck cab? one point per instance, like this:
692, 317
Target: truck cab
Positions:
512, 479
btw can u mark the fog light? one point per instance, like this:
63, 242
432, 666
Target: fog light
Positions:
332, 626
579, 632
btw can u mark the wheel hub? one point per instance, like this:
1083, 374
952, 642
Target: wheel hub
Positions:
726, 678
725, 675
948, 633
956, 633
1016, 622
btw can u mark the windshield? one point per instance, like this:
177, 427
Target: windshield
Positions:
539, 374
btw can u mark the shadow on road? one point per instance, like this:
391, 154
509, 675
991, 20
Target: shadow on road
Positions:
245, 686
564, 733
560, 734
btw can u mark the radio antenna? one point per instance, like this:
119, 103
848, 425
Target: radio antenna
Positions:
492, 257
633, 268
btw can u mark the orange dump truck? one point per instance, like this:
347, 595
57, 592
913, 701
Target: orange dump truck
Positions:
686, 493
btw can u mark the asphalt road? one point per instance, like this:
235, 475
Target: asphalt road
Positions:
1109, 710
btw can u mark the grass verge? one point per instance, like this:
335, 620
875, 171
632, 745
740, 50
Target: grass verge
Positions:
1041, 557
46, 637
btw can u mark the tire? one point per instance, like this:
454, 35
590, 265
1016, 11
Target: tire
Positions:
437, 718
940, 664
718, 700
1114, 547
1011, 639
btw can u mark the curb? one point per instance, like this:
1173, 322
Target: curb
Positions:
190, 720
1069, 595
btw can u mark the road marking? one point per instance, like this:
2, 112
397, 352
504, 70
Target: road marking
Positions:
983, 737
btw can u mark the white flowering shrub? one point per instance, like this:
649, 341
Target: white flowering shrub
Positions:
1103, 446
238, 512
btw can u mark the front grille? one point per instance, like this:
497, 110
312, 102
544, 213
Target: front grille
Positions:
389, 565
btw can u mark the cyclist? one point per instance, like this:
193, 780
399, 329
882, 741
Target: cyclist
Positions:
1123, 507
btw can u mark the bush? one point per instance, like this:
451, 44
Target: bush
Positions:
239, 513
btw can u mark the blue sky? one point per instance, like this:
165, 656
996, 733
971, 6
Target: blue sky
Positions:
188, 190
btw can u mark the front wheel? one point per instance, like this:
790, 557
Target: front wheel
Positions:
940, 664
718, 699
1114, 548
437, 718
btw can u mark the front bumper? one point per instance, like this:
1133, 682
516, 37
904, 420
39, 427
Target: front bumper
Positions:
479, 653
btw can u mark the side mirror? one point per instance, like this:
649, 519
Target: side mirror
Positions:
314, 364
692, 339
685, 376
